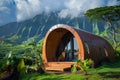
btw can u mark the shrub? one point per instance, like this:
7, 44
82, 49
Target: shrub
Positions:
83, 65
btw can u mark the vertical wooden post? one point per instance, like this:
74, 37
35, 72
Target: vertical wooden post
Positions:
72, 47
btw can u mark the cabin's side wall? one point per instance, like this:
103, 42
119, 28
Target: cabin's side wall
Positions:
96, 48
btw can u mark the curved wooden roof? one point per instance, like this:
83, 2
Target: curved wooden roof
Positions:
99, 48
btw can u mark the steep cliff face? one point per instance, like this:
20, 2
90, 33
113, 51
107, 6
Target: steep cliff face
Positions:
39, 25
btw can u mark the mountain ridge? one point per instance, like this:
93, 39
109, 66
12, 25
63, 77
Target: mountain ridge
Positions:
40, 24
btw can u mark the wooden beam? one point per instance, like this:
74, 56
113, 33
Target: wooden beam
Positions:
72, 47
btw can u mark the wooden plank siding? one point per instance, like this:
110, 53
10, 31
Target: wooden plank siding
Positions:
90, 46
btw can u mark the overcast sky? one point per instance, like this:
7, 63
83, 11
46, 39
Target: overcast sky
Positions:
19, 10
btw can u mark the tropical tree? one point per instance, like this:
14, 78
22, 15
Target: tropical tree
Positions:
108, 14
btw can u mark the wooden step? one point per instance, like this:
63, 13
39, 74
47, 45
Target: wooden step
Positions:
58, 66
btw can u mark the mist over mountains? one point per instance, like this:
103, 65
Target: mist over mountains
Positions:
40, 24
20, 10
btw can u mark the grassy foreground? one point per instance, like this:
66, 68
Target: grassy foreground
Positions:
108, 71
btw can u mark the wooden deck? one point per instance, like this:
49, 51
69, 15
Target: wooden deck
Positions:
58, 66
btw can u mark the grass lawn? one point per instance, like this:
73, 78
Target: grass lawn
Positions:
108, 71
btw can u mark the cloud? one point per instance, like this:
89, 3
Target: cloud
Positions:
75, 8
27, 9
19, 10
30, 8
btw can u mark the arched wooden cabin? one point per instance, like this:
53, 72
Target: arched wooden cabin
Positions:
89, 46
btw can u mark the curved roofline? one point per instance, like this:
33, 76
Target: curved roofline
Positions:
75, 34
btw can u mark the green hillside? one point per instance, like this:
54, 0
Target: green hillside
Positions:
17, 32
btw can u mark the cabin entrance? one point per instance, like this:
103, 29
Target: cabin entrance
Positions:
61, 46
67, 49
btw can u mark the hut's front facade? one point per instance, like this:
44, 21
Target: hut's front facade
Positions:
90, 46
